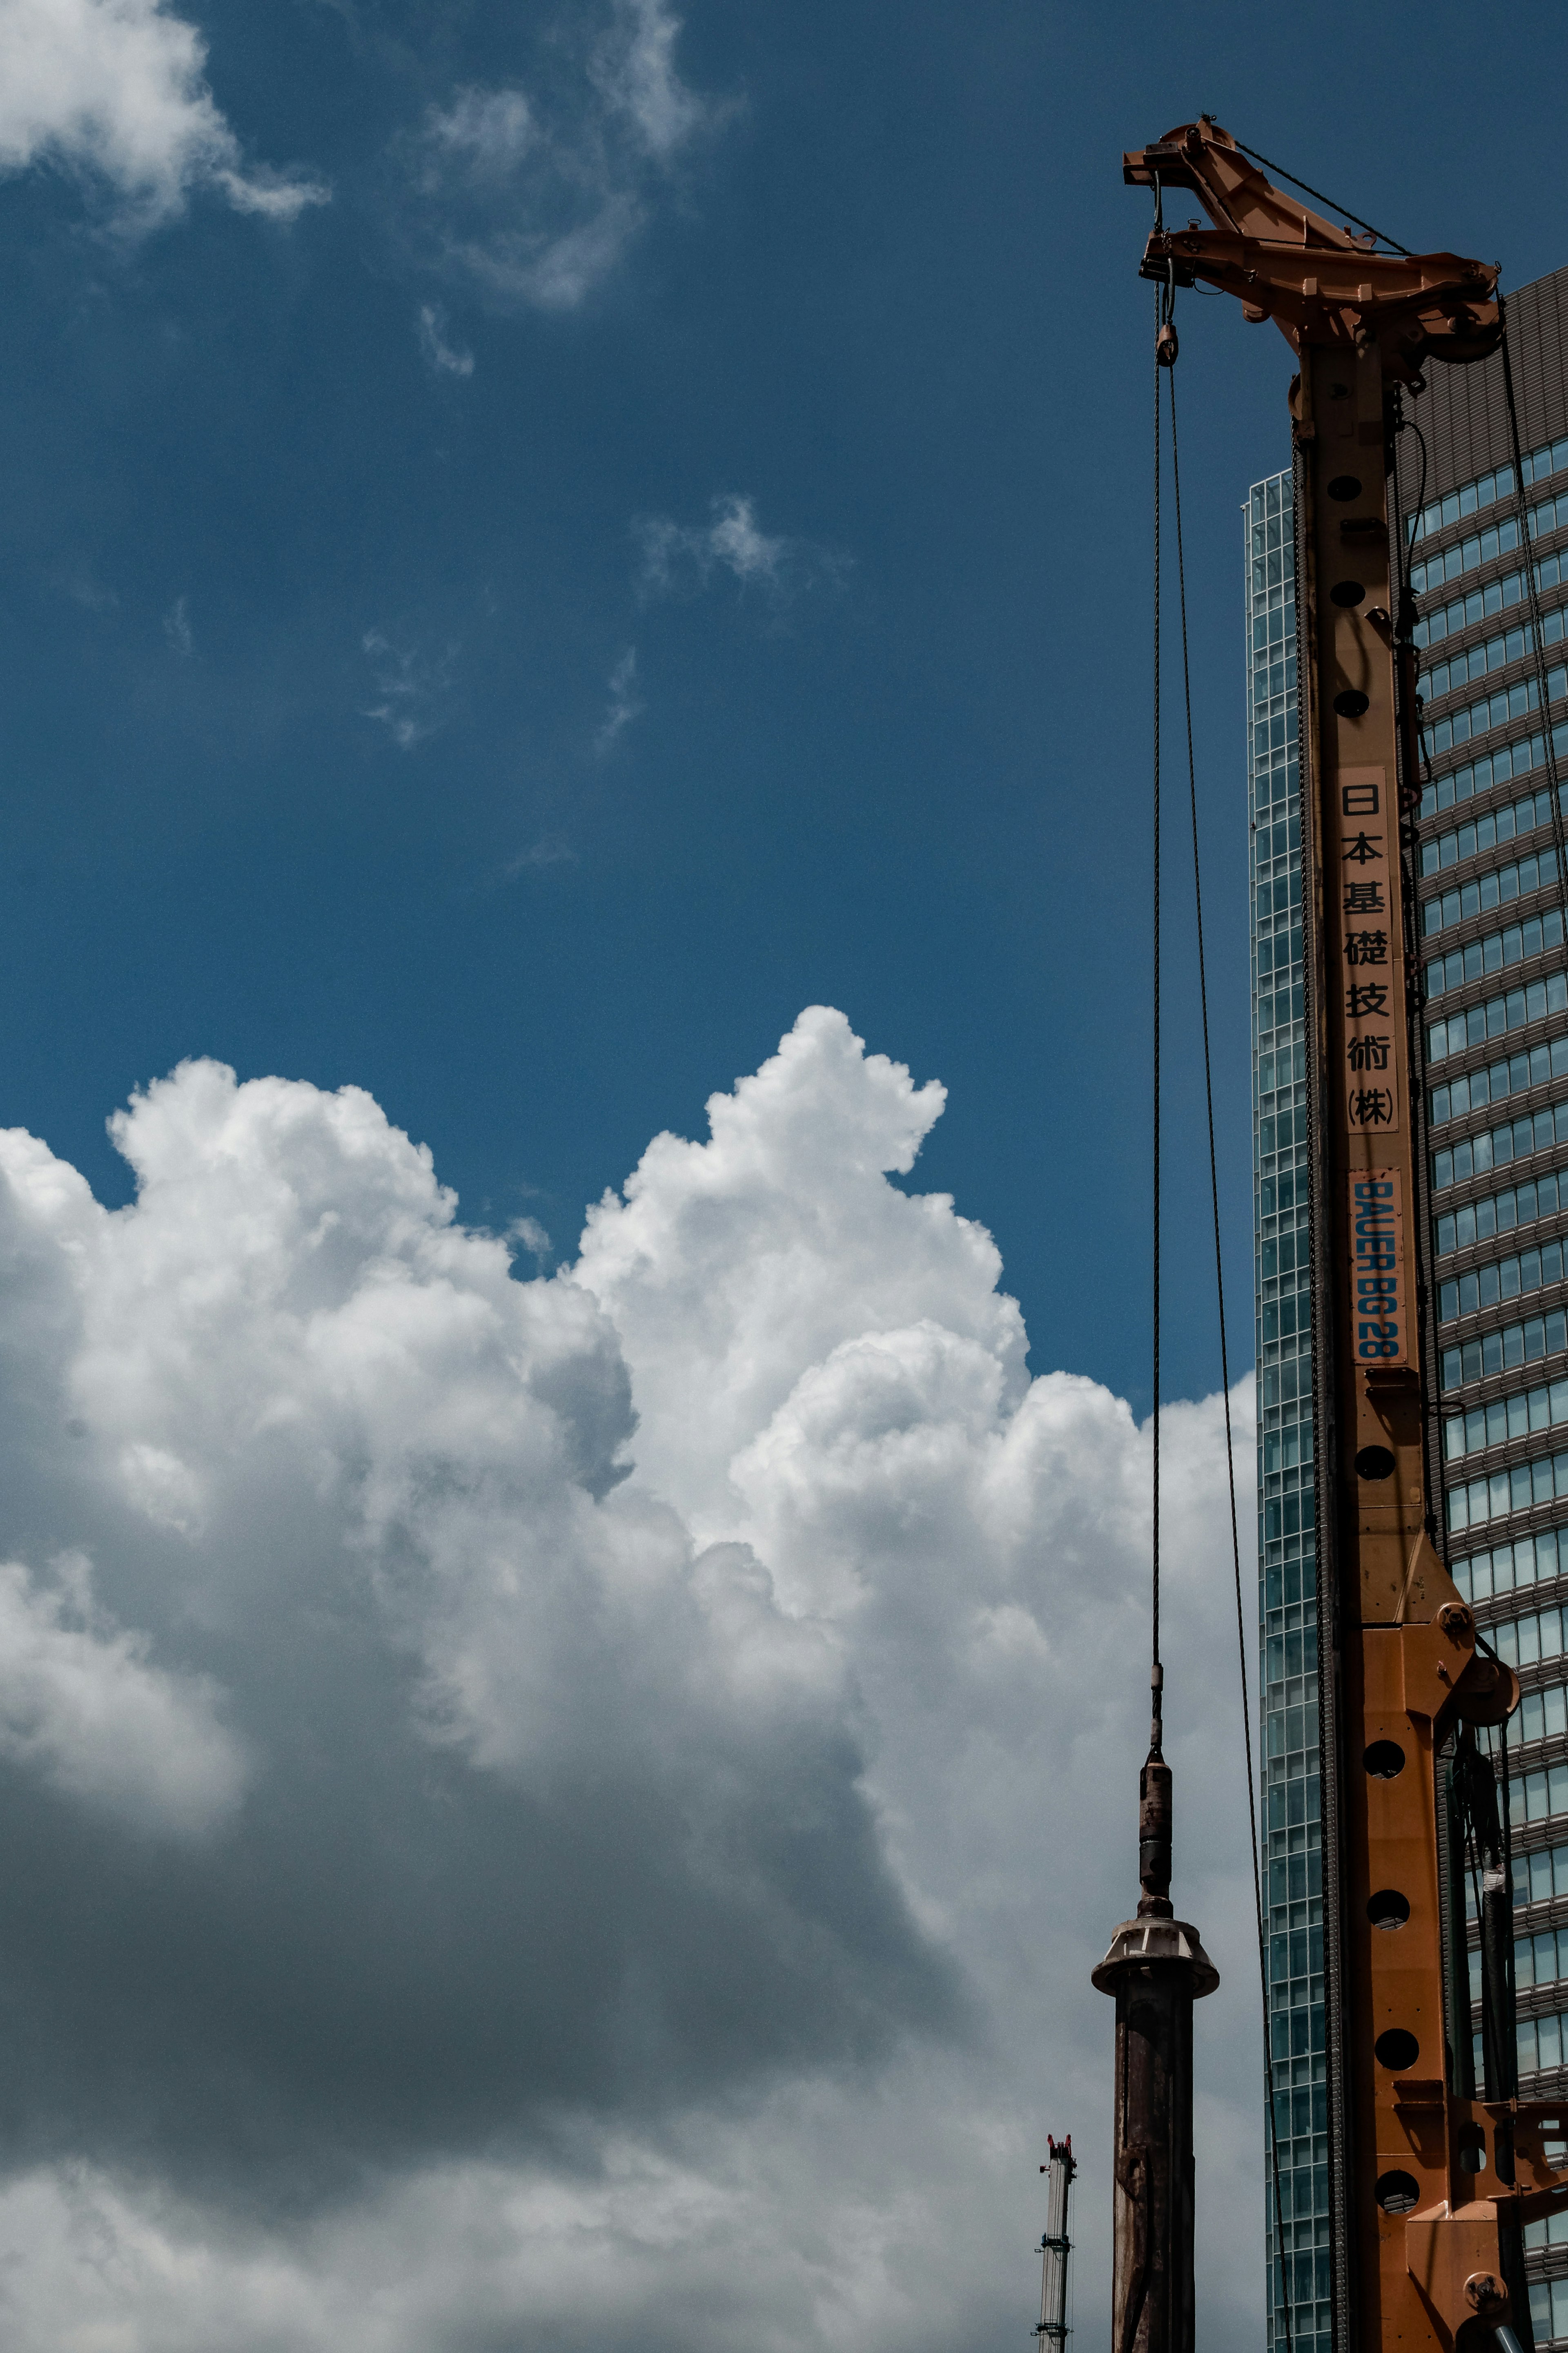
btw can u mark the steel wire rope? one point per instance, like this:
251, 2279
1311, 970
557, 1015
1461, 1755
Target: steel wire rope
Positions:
1428, 1290
1510, 1957
1415, 987
1427, 1297
1416, 1000
1538, 651
1318, 193
1164, 303
1225, 1362
1538, 646
1431, 1446
1560, 834
1505, 1825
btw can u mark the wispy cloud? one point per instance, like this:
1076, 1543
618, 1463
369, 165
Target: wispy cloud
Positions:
78, 580
633, 68
177, 629
680, 559
485, 132
409, 685
115, 91
444, 358
550, 849
625, 703
535, 195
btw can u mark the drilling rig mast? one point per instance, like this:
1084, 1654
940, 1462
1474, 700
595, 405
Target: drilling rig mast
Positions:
1433, 2177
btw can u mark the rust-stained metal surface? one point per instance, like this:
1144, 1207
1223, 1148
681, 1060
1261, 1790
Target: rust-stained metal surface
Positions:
1156, 1968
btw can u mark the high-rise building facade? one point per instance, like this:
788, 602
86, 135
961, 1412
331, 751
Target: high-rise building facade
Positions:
1489, 557
1290, 1823
1488, 547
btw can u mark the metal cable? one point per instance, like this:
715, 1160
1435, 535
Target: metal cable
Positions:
1155, 1675
1224, 1378
1413, 788
1511, 2020
1343, 209
1538, 643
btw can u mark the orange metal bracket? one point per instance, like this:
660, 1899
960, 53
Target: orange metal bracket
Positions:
1317, 282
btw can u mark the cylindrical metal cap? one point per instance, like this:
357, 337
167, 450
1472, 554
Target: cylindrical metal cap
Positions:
1138, 1943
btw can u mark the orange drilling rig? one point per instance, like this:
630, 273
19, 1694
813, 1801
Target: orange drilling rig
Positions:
1434, 2175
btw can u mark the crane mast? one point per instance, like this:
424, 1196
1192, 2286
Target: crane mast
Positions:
1434, 2176
1055, 2248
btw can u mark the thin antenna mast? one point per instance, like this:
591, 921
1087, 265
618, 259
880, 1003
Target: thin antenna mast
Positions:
1052, 2333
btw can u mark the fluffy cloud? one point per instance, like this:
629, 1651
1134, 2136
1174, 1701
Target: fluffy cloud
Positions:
114, 90
81, 1708
535, 194
626, 1772
676, 559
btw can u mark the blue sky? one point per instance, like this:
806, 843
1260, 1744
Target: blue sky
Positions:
875, 290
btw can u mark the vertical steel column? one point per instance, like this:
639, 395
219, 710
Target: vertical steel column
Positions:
1373, 1466
1156, 1968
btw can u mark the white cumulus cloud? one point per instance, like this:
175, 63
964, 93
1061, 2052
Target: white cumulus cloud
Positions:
115, 91
682, 1716
82, 1705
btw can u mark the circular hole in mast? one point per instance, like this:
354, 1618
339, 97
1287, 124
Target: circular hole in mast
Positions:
1384, 1759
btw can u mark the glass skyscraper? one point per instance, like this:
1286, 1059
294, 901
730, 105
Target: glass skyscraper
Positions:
1492, 893
1495, 1029
1292, 1819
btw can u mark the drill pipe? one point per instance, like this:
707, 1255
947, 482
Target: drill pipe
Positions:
1156, 1968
